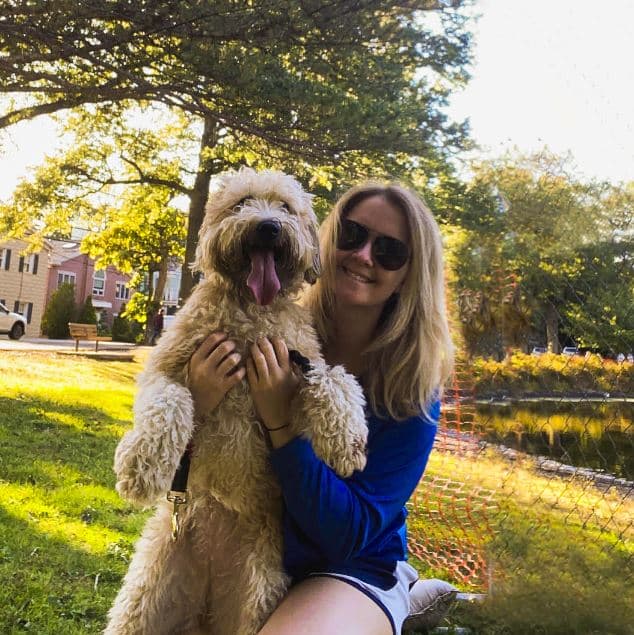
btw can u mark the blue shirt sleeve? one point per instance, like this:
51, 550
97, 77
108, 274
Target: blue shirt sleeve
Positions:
342, 516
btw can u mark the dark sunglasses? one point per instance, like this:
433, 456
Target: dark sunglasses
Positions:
389, 253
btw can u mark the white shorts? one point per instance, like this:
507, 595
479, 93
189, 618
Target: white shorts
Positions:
395, 601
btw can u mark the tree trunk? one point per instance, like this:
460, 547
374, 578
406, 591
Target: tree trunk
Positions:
151, 308
160, 283
552, 328
198, 200
156, 298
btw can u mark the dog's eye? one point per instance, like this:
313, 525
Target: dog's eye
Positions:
242, 201
286, 206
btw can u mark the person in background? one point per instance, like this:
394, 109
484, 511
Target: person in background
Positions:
379, 309
158, 326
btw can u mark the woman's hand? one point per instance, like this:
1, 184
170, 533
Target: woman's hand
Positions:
273, 381
214, 369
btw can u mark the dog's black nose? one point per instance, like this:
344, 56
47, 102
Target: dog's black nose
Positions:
268, 231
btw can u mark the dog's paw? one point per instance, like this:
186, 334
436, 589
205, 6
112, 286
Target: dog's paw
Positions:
354, 457
332, 416
137, 480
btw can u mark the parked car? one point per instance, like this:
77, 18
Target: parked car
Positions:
12, 324
539, 350
570, 351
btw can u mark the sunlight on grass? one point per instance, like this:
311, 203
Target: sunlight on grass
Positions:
65, 535
558, 549
43, 514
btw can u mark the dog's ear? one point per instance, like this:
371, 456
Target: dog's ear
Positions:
311, 275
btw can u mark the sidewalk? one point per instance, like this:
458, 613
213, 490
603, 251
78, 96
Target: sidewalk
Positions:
123, 351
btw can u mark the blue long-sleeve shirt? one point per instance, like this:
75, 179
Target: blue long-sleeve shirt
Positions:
353, 526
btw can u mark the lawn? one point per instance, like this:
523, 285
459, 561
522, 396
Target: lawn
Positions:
65, 534
557, 554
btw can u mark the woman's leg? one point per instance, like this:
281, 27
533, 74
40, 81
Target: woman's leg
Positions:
327, 606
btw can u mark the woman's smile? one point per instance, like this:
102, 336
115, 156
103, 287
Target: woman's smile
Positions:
357, 276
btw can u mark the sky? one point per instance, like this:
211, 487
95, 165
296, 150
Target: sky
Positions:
558, 73
546, 72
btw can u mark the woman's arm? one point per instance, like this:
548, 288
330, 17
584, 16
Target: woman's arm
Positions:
342, 516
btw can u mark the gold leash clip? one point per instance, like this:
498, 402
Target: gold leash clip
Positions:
178, 499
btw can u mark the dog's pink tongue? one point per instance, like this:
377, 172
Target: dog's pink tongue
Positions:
263, 280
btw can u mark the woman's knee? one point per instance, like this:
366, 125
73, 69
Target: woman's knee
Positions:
326, 606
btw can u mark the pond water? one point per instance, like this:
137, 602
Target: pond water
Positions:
595, 435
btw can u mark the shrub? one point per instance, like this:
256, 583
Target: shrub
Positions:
550, 373
122, 328
87, 313
60, 310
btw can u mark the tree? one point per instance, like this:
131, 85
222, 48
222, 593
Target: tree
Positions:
140, 237
317, 84
520, 248
87, 313
60, 310
600, 313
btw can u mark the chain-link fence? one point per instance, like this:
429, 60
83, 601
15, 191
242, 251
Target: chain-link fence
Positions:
529, 493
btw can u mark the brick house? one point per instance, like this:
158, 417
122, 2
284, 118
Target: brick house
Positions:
108, 287
27, 282
23, 281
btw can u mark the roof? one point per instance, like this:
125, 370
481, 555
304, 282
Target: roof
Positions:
62, 250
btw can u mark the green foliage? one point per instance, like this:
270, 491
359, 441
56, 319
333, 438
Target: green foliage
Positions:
331, 92
140, 237
534, 260
87, 313
138, 308
310, 78
551, 374
60, 310
123, 330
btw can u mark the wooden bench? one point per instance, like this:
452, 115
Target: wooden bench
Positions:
86, 332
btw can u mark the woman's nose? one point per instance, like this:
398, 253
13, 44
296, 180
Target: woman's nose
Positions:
364, 253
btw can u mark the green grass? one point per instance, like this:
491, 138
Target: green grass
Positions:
559, 552
65, 534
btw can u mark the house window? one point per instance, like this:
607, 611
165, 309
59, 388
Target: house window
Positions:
28, 264
5, 259
65, 277
99, 283
122, 291
25, 309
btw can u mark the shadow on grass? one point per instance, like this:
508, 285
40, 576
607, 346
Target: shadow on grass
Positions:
554, 579
31, 434
49, 587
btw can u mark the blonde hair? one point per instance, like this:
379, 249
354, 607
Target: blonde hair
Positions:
411, 355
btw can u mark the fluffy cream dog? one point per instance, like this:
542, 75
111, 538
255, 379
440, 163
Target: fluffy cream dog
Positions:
223, 575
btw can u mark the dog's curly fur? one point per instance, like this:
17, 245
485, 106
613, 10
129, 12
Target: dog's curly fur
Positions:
224, 574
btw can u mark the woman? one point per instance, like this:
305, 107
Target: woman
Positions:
379, 310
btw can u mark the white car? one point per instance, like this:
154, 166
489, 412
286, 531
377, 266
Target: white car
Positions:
13, 324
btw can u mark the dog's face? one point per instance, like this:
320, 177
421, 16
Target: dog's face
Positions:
260, 233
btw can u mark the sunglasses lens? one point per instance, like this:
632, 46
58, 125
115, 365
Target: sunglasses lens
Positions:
351, 236
390, 253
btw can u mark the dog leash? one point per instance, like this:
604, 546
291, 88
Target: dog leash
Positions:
178, 490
